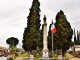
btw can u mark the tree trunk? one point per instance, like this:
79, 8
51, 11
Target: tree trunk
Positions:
56, 50
61, 51
29, 53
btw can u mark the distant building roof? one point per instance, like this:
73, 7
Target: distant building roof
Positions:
3, 47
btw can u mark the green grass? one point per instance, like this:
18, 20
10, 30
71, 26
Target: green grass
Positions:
21, 56
38, 56
65, 54
25, 55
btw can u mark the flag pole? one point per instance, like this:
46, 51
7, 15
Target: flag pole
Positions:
53, 29
52, 46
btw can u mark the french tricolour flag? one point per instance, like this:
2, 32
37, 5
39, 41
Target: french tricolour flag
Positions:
53, 29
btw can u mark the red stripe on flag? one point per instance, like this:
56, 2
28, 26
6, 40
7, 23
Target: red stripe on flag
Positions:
53, 30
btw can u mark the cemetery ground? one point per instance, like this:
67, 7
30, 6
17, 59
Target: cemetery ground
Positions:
20, 57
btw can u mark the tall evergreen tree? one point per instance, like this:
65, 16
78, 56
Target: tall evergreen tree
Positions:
40, 42
49, 38
77, 38
31, 33
74, 31
74, 37
63, 36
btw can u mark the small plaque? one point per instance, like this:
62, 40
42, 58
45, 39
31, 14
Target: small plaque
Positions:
45, 54
31, 56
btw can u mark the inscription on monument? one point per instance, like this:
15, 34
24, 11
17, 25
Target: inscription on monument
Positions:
45, 54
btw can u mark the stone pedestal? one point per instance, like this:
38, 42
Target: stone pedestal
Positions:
45, 53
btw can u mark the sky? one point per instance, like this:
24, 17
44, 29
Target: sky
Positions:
14, 13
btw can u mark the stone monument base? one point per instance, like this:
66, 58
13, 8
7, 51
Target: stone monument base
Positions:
45, 53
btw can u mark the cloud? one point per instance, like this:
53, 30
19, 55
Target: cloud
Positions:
14, 13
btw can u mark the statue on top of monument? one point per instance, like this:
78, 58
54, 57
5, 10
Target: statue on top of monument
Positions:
44, 19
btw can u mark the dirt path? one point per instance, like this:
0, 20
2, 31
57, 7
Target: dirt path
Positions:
75, 59
71, 57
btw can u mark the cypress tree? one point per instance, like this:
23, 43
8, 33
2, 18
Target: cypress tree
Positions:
40, 42
49, 38
77, 38
74, 37
31, 33
63, 36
